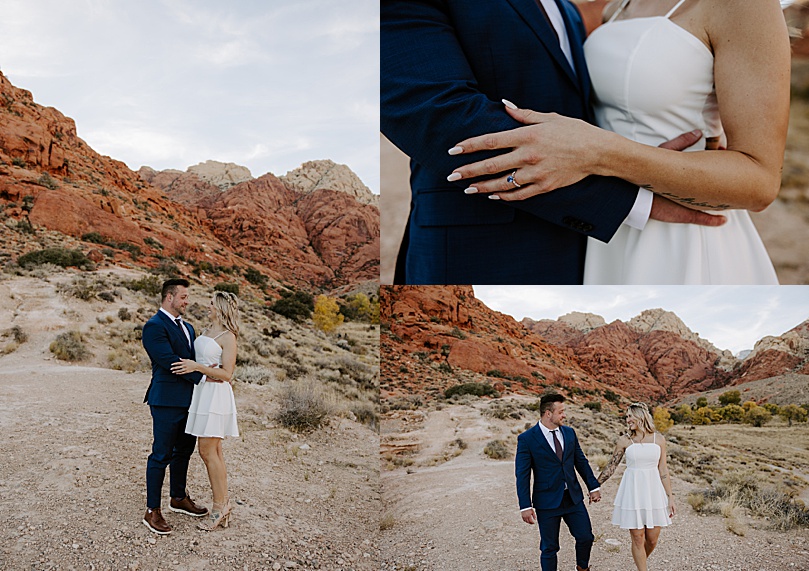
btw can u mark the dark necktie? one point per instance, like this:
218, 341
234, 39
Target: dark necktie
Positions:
545, 13
557, 445
179, 322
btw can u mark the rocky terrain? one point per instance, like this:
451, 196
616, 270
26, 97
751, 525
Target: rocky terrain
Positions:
318, 227
72, 478
437, 337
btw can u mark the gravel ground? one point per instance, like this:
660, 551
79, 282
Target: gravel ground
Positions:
463, 515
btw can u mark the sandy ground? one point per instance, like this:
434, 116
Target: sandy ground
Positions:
463, 514
72, 478
783, 226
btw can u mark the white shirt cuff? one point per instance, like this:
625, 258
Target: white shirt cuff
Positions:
525, 509
203, 379
595, 489
639, 215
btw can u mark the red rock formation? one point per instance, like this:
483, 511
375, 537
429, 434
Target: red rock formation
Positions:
323, 240
773, 356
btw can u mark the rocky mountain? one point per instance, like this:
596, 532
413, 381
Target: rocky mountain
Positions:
440, 336
53, 184
435, 337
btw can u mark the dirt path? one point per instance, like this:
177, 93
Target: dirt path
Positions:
72, 476
462, 515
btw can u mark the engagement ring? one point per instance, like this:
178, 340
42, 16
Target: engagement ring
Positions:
513, 180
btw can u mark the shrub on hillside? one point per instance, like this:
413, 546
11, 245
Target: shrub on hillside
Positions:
476, 389
304, 406
594, 405
150, 285
56, 256
296, 306
226, 287
69, 346
497, 450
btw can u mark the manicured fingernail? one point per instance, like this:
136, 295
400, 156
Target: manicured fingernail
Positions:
494, 197
509, 104
694, 132
455, 150
454, 176
470, 190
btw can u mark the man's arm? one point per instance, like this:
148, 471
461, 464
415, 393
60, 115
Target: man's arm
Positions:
430, 99
522, 471
156, 342
583, 466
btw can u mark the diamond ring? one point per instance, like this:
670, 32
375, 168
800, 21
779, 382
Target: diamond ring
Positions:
512, 179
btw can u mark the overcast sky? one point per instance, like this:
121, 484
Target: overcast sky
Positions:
730, 317
267, 84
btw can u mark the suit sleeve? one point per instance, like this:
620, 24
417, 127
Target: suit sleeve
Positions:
583, 466
522, 471
430, 100
157, 345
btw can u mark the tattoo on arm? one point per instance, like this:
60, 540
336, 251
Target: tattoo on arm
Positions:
609, 470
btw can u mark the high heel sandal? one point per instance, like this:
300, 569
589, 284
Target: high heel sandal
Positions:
219, 515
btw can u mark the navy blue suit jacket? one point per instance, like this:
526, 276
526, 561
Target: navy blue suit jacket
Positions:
166, 344
445, 66
535, 455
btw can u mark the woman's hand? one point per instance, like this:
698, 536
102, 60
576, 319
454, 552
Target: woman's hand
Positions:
672, 507
184, 366
551, 152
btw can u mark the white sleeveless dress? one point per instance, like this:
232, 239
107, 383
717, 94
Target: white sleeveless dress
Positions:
641, 500
653, 81
213, 409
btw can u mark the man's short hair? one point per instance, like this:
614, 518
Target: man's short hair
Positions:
170, 287
547, 401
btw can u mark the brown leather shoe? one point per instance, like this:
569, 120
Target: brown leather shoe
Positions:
582, 568
153, 519
187, 506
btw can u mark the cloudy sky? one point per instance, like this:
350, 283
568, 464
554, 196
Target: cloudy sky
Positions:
730, 317
267, 84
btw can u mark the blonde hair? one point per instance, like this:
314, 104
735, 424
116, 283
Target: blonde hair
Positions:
640, 412
226, 306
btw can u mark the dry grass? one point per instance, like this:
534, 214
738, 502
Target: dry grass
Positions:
387, 522
69, 346
304, 405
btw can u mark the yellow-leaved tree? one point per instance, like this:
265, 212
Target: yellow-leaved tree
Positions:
327, 314
662, 420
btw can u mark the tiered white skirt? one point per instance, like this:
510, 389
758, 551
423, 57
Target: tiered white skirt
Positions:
641, 500
213, 411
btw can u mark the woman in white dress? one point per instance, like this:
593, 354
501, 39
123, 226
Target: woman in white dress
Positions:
212, 414
644, 502
660, 69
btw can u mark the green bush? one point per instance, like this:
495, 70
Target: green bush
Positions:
56, 256
730, 397
230, 288
69, 346
476, 389
255, 277
149, 241
47, 181
94, 237
150, 285
611, 396
594, 405
294, 305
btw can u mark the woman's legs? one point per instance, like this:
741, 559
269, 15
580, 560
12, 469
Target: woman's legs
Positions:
639, 548
651, 539
211, 451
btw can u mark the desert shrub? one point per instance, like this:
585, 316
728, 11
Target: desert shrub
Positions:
497, 374
351, 367
150, 285
611, 396
69, 346
254, 374
57, 256
594, 405
123, 314
457, 333
129, 358
793, 412
731, 412
17, 334
476, 389
296, 306
497, 450
230, 288
255, 277
387, 522
19, 162
107, 296
304, 406
94, 237
80, 288
153, 242
730, 397
366, 413
502, 410
47, 181
445, 367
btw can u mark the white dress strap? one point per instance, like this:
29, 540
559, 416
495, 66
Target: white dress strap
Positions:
218, 336
618, 11
677, 5
654, 435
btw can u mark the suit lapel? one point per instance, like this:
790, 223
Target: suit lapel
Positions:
532, 15
174, 331
576, 47
543, 443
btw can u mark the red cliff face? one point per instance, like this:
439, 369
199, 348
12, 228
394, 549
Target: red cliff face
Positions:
323, 239
772, 356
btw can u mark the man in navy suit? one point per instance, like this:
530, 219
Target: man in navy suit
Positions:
167, 339
552, 453
445, 66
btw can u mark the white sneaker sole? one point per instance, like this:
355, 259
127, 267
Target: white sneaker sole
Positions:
181, 511
153, 530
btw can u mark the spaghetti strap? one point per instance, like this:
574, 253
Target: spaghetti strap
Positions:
618, 11
654, 436
677, 5
218, 336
